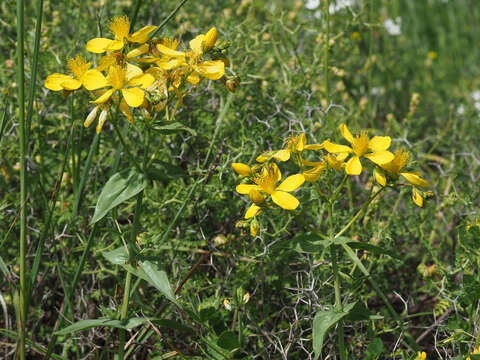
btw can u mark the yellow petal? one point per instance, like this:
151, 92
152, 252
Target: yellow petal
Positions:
336, 148
106, 95
98, 45
302, 140
261, 158
278, 174
212, 69
142, 49
105, 62
282, 155
132, 72
54, 81
291, 183
169, 52
244, 189
354, 167
414, 179
380, 157
133, 96
71, 84
94, 79
378, 143
346, 133
252, 211
312, 163
193, 79
210, 38
115, 45
242, 169
125, 109
285, 200
144, 81
141, 35
313, 174
196, 44
314, 146
380, 177
417, 197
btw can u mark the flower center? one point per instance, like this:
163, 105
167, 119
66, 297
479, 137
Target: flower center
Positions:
120, 27
266, 180
78, 66
360, 144
116, 76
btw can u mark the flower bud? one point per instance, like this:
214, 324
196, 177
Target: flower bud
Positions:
256, 196
210, 38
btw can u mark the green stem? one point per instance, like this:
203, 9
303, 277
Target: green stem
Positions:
325, 59
125, 146
132, 254
338, 302
333, 252
164, 22
23, 180
33, 80
133, 17
86, 170
359, 212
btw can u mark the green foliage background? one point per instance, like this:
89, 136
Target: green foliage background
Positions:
277, 50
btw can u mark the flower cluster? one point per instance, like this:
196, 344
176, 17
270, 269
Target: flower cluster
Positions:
139, 71
260, 181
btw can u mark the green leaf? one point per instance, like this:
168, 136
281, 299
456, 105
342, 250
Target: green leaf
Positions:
118, 256
322, 322
158, 279
373, 249
228, 340
170, 128
172, 324
307, 243
119, 188
374, 349
91, 323
3, 267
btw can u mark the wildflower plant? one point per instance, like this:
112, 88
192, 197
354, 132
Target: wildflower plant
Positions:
142, 77
261, 182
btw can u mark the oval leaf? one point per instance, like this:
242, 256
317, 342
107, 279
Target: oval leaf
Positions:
322, 322
119, 188
158, 279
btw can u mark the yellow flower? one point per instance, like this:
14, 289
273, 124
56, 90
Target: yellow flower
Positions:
421, 355
82, 75
266, 181
120, 27
336, 162
192, 59
130, 81
314, 173
394, 169
294, 144
374, 149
